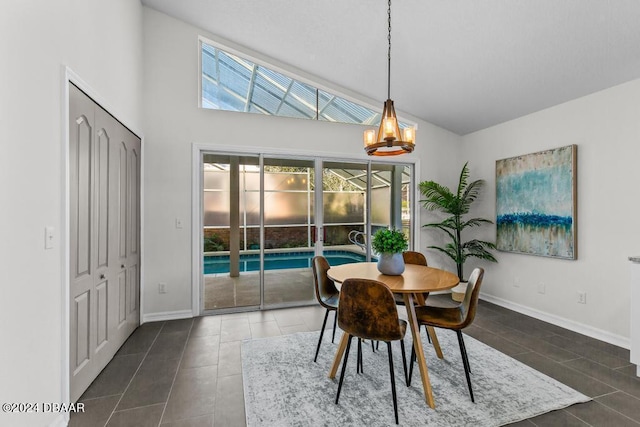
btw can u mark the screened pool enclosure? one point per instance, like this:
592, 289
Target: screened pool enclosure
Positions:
265, 218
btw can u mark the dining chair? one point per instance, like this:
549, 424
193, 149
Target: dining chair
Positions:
455, 318
410, 257
413, 257
367, 310
326, 293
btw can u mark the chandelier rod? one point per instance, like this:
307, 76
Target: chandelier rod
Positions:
389, 53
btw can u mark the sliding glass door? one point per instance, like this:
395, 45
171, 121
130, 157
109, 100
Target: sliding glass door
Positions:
288, 231
391, 198
260, 223
231, 232
344, 212
358, 199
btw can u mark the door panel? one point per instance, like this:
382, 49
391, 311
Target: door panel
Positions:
80, 151
107, 131
81, 337
122, 202
82, 268
102, 195
231, 234
122, 297
120, 214
344, 202
104, 202
102, 321
132, 261
288, 227
366, 198
391, 198
134, 162
133, 292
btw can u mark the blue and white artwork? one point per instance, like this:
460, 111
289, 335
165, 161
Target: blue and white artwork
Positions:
536, 203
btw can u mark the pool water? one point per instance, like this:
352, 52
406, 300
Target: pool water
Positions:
214, 264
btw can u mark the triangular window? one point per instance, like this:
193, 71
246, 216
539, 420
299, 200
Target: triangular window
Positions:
233, 83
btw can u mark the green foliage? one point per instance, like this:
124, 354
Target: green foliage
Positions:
213, 243
333, 182
330, 180
294, 244
389, 241
440, 198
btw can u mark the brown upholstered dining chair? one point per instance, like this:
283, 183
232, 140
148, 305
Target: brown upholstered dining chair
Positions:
367, 311
326, 293
455, 318
410, 257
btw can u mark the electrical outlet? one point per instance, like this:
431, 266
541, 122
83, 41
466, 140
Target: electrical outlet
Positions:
542, 288
162, 288
582, 297
516, 282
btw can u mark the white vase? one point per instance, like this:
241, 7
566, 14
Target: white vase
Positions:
391, 264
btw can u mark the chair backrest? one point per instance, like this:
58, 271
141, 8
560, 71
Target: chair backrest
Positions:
470, 302
367, 310
325, 287
412, 257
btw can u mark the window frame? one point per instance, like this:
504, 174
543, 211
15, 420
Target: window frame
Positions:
295, 75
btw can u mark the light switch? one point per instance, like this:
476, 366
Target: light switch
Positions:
49, 237
178, 222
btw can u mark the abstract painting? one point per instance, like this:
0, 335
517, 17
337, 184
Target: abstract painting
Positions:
536, 203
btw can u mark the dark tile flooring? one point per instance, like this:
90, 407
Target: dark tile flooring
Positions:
188, 372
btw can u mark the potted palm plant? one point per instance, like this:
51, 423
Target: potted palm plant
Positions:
456, 206
389, 245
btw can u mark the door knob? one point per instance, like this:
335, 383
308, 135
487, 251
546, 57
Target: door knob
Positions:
122, 266
101, 276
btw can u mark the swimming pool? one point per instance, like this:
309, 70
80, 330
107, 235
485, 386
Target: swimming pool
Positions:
214, 264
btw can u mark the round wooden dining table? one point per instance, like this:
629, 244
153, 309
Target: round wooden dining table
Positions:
414, 283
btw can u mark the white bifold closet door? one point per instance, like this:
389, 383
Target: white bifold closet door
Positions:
104, 204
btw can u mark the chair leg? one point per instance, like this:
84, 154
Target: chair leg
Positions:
344, 368
326, 315
335, 320
464, 348
465, 362
359, 369
393, 382
404, 363
411, 362
427, 331
373, 347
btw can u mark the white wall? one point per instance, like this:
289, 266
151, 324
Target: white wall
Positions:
606, 128
102, 42
173, 122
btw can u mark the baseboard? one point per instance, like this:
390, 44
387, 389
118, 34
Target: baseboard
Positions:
571, 325
167, 315
61, 420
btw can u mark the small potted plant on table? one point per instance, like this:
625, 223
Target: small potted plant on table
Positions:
389, 245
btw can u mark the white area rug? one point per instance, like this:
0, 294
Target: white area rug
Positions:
283, 387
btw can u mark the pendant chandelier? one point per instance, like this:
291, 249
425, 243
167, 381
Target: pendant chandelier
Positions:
390, 141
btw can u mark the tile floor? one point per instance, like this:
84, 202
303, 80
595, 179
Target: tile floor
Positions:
280, 287
188, 372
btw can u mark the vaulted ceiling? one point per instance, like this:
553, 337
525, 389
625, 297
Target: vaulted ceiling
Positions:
463, 65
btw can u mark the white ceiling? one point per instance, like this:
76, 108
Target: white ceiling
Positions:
463, 65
